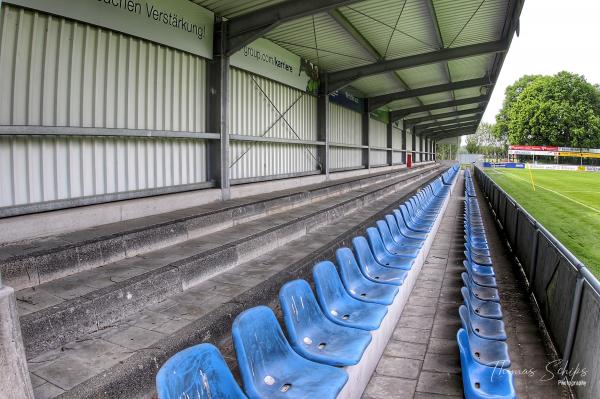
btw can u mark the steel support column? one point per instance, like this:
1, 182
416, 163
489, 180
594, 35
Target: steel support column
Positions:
390, 153
404, 144
218, 105
366, 152
322, 126
414, 144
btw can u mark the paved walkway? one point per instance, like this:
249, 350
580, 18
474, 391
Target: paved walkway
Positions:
422, 359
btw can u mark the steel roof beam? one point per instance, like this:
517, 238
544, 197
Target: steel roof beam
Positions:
356, 35
433, 132
460, 130
414, 121
246, 28
426, 126
339, 79
379, 101
399, 114
454, 134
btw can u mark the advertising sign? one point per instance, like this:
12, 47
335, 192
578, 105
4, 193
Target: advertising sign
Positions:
532, 148
265, 58
180, 24
509, 165
532, 152
347, 100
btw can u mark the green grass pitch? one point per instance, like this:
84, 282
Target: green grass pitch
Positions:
567, 203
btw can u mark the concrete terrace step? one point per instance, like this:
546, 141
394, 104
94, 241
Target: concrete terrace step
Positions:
62, 310
121, 360
28, 264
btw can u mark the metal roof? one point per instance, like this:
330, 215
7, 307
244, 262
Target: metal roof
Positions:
437, 57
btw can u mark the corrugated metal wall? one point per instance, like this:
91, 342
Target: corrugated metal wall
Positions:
378, 138
264, 108
344, 126
59, 72
44, 168
396, 144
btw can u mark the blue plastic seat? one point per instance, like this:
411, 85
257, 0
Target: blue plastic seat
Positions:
340, 307
392, 246
314, 336
199, 372
479, 292
383, 256
479, 381
397, 235
479, 269
479, 279
489, 309
488, 352
479, 259
404, 228
371, 268
478, 251
271, 369
414, 225
357, 285
481, 326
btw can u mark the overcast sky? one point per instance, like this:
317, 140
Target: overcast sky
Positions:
555, 35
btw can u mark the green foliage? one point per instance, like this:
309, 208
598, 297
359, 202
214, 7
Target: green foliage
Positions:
446, 151
561, 110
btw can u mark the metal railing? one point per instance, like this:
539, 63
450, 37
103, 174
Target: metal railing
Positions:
567, 293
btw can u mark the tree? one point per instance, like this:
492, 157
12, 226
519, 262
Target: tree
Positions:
560, 110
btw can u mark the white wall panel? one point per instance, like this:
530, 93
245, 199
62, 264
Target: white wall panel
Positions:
56, 72
262, 107
378, 157
377, 133
396, 138
345, 125
340, 157
59, 72
409, 141
47, 168
260, 159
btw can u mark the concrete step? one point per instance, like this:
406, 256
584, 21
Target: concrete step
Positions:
121, 359
28, 264
62, 310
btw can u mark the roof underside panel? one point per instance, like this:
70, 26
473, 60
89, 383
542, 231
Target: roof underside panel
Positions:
320, 39
470, 68
465, 22
394, 28
233, 8
426, 75
378, 85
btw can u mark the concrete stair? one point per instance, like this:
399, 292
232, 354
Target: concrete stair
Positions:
102, 328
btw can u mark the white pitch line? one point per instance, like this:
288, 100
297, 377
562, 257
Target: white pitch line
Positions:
555, 192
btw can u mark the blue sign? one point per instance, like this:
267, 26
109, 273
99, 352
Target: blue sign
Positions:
508, 165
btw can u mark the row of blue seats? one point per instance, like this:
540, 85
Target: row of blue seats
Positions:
324, 332
481, 340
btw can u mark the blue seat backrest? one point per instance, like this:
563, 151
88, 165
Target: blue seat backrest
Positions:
346, 261
300, 309
197, 372
328, 284
363, 252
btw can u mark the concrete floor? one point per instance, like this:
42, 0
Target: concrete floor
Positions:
422, 360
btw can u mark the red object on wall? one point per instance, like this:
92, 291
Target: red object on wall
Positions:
409, 160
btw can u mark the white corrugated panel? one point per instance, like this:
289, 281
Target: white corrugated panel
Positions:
59, 72
378, 157
259, 159
396, 138
262, 107
377, 133
345, 125
37, 169
340, 158
409, 141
